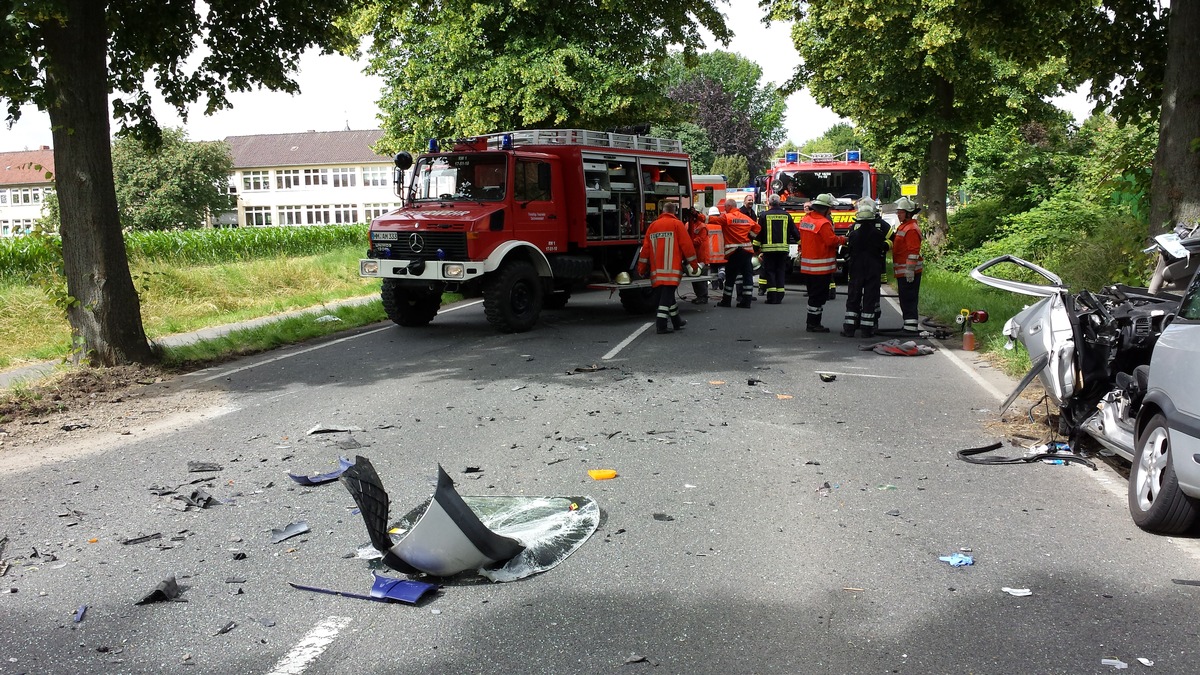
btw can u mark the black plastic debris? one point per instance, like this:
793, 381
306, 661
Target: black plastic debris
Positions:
43, 557
827, 377
663, 517
970, 455
79, 613
235, 580
330, 429
812, 462
195, 466
266, 621
893, 512
167, 589
142, 539
349, 444
240, 555
590, 369
472, 469
287, 532
321, 478
229, 625
1186, 582
75, 426
198, 498
160, 491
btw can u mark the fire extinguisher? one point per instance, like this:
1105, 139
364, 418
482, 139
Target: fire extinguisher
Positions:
966, 318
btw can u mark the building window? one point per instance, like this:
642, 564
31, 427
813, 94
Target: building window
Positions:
3, 228
258, 216
24, 226
37, 195
344, 177
377, 176
373, 211
291, 215
256, 181
316, 215
345, 214
3, 196
316, 176
26, 196
286, 179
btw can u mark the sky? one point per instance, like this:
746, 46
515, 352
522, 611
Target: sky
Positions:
334, 94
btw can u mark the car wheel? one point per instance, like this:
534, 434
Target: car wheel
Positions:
513, 299
1155, 500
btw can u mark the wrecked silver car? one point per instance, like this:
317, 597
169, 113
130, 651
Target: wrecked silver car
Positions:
1123, 367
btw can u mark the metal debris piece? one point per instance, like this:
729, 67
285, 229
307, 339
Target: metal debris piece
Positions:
329, 429
167, 589
235, 580
195, 466
229, 625
321, 478
635, 658
827, 377
663, 517
266, 621
1186, 582
287, 532
79, 613
1017, 592
893, 512
1115, 663
142, 539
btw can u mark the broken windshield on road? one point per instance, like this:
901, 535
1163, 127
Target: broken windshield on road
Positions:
474, 176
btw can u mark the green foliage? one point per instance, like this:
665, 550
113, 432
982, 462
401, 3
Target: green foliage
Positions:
459, 67
945, 292
838, 139
173, 185
734, 168
28, 258
695, 142
974, 223
1024, 159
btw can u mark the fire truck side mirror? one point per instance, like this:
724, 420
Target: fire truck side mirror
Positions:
760, 182
404, 161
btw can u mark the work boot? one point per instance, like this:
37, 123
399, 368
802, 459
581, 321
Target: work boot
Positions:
848, 332
816, 328
679, 322
661, 325
867, 332
699, 301
725, 302
744, 303
762, 290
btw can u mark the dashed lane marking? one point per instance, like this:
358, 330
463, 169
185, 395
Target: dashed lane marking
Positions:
311, 647
625, 343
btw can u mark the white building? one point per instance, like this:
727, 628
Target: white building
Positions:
313, 178
23, 186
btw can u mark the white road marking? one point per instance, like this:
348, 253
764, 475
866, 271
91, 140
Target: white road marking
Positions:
312, 646
625, 343
226, 373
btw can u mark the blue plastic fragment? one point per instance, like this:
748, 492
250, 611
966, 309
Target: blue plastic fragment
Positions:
957, 560
320, 478
80, 612
403, 590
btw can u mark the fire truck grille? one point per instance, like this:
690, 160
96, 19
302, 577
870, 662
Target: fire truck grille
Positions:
425, 246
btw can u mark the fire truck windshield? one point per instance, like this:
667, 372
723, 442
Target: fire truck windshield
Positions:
474, 176
841, 184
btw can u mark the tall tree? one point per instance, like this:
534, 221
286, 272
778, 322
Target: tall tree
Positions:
916, 76
65, 56
461, 67
173, 185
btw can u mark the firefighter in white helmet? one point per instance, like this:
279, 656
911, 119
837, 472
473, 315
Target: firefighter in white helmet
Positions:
907, 262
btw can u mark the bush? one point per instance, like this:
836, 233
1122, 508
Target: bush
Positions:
975, 223
27, 258
1044, 235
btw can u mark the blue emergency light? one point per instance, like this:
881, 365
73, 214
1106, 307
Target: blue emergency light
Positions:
853, 155
506, 142
792, 156
433, 145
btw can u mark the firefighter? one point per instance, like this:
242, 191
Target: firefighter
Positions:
777, 229
739, 231
866, 248
709, 240
818, 258
748, 209
664, 250
907, 262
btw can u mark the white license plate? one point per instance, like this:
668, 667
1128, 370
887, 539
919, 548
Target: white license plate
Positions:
385, 236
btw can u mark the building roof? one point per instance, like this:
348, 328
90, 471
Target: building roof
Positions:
17, 168
309, 148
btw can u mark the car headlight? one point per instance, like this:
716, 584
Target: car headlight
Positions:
368, 268
453, 271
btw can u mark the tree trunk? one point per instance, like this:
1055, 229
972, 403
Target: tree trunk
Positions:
936, 177
105, 318
1175, 188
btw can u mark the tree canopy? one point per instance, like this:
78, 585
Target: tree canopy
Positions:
458, 67
65, 56
172, 186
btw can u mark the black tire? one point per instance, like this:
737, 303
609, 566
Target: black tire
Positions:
557, 299
639, 300
513, 299
1155, 500
409, 307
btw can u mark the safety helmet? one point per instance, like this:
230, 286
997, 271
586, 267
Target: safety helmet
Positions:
756, 262
866, 211
824, 199
714, 211
906, 204
623, 278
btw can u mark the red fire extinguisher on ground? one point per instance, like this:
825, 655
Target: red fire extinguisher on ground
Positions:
966, 318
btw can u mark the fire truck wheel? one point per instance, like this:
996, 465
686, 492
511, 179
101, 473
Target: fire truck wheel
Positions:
409, 307
639, 300
513, 298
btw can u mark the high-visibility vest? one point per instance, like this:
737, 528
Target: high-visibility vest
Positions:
738, 231
710, 243
906, 249
665, 249
775, 225
818, 244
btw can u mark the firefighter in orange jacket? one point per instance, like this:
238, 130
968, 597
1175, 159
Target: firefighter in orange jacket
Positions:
907, 261
818, 258
739, 252
709, 240
665, 247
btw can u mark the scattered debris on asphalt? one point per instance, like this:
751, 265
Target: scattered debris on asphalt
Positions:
824, 489
330, 429
663, 517
783, 397
1115, 663
167, 589
1145, 661
287, 532
893, 512
196, 466
384, 589
142, 539
602, 474
636, 658
198, 498
229, 625
969, 455
79, 613
472, 469
1186, 582
898, 348
753, 381
1017, 592
75, 426
590, 369
321, 478
957, 560
827, 377
240, 555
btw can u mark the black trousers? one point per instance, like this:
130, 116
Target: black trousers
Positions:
909, 292
862, 297
739, 266
668, 307
774, 268
818, 295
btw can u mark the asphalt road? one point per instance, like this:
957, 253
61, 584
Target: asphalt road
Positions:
750, 566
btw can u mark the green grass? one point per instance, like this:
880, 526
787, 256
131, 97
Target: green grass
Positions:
944, 293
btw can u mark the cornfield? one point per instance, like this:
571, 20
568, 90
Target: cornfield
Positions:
27, 258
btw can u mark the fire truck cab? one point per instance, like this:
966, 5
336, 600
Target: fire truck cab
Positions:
798, 178
521, 218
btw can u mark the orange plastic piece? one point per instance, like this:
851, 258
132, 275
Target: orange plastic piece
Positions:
602, 474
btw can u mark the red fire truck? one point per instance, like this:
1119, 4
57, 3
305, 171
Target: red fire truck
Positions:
521, 218
799, 177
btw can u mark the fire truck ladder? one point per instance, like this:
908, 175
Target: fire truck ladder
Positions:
514, 139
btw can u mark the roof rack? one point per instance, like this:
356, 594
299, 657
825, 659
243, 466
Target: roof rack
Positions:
601, 139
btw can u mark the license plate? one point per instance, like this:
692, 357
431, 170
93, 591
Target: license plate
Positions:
385, 236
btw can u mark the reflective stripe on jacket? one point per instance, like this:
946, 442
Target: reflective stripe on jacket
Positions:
709, 239
818, 244
665, 250
906, 249
738, 231
776, 226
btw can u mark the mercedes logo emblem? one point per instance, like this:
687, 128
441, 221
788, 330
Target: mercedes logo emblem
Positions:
416, 242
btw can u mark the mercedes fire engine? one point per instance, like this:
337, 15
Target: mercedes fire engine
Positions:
798, 178
521, 218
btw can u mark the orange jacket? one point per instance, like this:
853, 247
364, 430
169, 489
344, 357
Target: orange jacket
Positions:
666, 244
818, 244
739, 230
709, 238
906, 249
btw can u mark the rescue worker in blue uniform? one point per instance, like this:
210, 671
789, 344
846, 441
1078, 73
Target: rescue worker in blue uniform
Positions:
866, 252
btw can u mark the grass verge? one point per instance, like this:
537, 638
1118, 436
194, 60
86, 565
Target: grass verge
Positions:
944, 294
